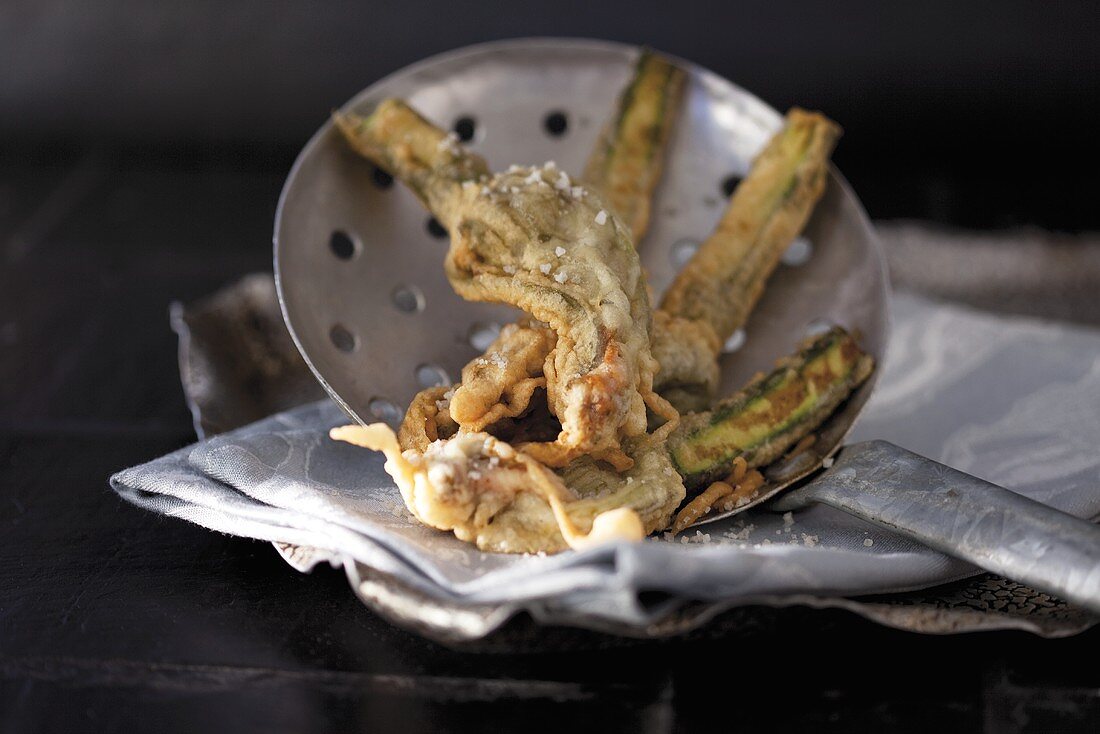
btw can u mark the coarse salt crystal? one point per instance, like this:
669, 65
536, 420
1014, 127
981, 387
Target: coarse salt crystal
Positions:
510, 269
577, 192
788, 519
563, 183
545, 268
601, 217
549, 164
448, 142
868, 542
827, 462
559, 250
560, 276
809, 540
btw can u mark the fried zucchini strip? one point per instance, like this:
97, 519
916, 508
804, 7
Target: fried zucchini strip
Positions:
773, 412
725, 278
628, 158
416, 152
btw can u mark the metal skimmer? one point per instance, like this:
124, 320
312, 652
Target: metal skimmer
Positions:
358, 261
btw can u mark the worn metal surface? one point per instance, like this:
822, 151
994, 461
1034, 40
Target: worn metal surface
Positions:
968, 518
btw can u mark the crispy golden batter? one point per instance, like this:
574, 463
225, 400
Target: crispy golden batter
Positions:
487, 493
500, 383
529, 239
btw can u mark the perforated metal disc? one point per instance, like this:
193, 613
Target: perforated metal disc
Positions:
359, 269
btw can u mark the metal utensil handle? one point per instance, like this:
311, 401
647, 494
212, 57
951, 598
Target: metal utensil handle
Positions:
965, 517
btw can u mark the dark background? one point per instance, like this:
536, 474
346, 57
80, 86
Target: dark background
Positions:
142, 149
977, 113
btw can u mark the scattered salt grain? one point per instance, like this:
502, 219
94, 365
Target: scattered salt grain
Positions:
577, 192
601, 217
809, 540
788, 519
545, 268
699, 537
448, 143
741, 534
560, 276
868, 542
827, 462
559, 250
510, 269
563, 183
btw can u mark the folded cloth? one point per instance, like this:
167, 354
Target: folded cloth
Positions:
1010, 400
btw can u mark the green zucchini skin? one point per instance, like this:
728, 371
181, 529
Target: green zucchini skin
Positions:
627, 160
773, 412
424, 157
725, 278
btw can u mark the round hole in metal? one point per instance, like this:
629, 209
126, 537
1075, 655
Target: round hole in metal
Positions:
482, 334
431, 375
465, 128
343, 339
798, 252
407, 298
381, 179
435, 229
385, 411
729, 184
556, 123
817, 327
682, 250
342, 245
735, 342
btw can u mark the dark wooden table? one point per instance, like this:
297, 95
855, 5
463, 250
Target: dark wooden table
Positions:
112, 619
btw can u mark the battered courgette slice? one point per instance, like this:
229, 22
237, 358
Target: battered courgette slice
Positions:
772, 412
725, 278
423, 157
628, 158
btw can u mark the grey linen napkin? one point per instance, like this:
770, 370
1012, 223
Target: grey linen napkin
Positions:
1011, 400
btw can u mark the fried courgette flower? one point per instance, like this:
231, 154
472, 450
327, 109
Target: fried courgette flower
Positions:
533, 238
543, 444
